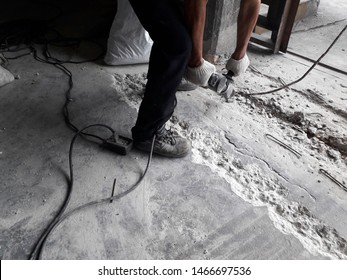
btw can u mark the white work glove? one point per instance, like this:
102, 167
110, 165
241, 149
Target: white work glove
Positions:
201, 74
238, 67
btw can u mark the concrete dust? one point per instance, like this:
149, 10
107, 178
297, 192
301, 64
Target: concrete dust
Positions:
252, 177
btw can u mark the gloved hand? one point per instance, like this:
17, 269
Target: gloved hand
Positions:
238, 67
201, 74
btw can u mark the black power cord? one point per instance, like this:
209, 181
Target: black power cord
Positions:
306, 73
68, 98
38, 249
10, 44
44, 235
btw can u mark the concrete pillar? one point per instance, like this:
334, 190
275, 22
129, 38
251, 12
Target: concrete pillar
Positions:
220, 29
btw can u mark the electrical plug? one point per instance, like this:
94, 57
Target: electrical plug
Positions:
119, 144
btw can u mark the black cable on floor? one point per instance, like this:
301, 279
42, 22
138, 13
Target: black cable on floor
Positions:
320, 63
62, 41
37, 252
68, 97
307, 72
8, 45
44, 235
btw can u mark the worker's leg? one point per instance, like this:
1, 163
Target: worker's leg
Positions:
248, 15
198, 71
169, 58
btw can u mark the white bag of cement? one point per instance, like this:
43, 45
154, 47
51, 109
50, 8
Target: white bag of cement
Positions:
128, 42
5, 76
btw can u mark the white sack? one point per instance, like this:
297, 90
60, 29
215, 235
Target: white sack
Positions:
128, 42
5, 76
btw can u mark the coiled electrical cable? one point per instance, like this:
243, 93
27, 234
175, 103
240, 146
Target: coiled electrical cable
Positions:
38, 249
11, 44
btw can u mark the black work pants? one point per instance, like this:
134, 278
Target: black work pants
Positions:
169, 57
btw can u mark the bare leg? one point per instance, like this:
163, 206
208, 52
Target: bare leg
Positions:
248, 15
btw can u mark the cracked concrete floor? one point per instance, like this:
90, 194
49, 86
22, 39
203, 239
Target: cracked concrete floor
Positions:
238, 195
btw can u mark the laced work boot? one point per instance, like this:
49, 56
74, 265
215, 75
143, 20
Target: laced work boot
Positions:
167, 144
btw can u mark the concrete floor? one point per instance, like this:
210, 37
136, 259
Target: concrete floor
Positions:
238, 195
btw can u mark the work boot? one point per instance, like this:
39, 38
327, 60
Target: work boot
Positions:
167, 144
